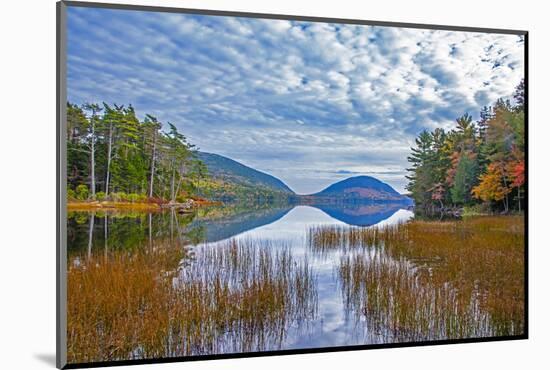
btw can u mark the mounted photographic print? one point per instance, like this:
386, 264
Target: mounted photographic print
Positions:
237, 184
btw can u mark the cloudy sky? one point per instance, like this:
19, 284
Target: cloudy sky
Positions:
311, 103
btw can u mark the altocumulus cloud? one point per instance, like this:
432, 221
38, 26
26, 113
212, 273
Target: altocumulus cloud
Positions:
311, 103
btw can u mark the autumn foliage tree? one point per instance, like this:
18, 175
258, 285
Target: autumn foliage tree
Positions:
491, 186
518, 178
477, 161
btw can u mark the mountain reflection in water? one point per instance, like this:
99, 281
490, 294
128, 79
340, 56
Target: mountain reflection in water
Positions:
280, 229
128, 230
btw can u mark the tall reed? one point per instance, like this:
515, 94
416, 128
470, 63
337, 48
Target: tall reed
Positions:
425, 280
165, 301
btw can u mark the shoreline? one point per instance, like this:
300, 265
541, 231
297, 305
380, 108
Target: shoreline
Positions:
132, 206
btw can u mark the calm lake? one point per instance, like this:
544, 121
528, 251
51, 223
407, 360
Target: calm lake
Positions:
240, 279
280, 228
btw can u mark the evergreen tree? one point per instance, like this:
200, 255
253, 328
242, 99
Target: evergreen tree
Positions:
465, 179
94, 109
485, 115
519, 96
421, 179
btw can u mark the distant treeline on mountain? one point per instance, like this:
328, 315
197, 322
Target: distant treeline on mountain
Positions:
353, 189
358, 189
233, 181
223, 167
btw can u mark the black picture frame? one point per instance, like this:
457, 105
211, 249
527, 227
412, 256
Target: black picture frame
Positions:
61, 214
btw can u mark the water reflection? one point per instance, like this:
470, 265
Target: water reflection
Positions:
103, 231
233, 279
126, 230
334, 325
232, 222
366, 214
281, 232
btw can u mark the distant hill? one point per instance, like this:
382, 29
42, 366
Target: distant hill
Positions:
235, 172
358, 189
232, 181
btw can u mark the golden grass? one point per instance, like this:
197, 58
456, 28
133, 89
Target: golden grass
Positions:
164, 301
107, 205
426, 280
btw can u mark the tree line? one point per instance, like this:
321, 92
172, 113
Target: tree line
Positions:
111, 154
476, 163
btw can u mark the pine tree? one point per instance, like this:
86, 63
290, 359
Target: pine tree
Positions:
94, 109
421, 179
465, 179
519, 96
485, 115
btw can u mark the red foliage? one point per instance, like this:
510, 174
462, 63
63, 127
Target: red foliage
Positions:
518, 173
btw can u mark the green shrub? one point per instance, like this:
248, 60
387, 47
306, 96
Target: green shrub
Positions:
100, 195
133, 197
71, 195
82, 192
477, 210
181, 198
119, 197
81, 218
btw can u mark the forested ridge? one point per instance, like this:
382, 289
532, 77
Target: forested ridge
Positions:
478, 164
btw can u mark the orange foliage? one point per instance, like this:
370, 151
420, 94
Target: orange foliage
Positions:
491, 186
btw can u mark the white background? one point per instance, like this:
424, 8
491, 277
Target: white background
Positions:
27, 182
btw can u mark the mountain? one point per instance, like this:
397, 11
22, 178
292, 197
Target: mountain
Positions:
358, 189
227, 169
230, 181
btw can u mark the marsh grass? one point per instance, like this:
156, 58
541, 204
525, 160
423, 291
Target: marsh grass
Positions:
325, 239
166, 301
424, 280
